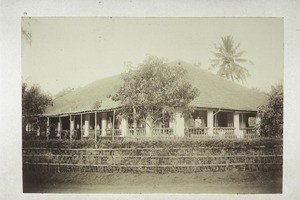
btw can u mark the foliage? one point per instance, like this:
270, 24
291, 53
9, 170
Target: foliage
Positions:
156, 143
227, 60
34, 102
271, 114
179, 158
152, 89
130, 155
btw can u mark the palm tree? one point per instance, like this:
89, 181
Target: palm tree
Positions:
228, 60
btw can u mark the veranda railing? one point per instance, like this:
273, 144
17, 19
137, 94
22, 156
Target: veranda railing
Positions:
162, 132
224, 132
250, 133
138, 132
92, 134
196, 132
117, 132
192, 132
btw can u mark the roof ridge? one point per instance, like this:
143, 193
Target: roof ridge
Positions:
215, 92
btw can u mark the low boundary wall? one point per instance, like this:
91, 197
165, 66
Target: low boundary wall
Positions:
157, 160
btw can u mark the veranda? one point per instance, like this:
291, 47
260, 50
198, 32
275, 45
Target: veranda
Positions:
95, 124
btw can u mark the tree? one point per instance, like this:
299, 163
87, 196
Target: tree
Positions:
271, 114
154, 90
34, 102
228, 60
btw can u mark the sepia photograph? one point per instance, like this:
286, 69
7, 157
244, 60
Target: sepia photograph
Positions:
152, 105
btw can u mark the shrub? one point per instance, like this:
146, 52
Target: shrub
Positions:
272, 114
148, 143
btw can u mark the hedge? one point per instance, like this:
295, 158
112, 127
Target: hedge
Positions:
154, 143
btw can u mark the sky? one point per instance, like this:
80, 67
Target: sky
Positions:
70, 52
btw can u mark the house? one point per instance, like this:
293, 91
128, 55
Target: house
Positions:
223, 109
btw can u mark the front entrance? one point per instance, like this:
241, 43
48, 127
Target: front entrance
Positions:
223, 119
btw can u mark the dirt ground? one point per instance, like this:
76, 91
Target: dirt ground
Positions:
204, 182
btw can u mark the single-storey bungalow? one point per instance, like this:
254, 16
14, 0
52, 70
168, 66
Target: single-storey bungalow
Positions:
223, 109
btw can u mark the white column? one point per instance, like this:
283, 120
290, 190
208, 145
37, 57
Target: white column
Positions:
27, 128
59, 127
81, 135
86, 125
38, 131
95, 127
236, 124
243, 122
72, 124
124, 127
148, 128
179, 125
134, 122
48, 128
257, 124
210, 122
103, 124
113, 125
98, 121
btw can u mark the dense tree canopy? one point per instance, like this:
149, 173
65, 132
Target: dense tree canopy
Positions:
154, 88
271, 114
228, 60
34, 101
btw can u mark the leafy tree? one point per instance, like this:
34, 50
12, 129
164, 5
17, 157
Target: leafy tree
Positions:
228, 60
153, 91
271, 114
34, 102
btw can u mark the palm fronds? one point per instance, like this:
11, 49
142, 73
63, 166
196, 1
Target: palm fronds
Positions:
228, 59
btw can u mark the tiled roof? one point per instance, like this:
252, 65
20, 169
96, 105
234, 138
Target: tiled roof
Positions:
215, 92
84, 98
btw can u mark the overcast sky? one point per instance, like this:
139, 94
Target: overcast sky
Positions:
72, 52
